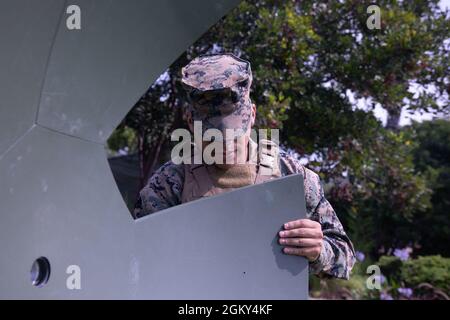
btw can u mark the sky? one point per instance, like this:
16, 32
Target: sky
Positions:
444, 4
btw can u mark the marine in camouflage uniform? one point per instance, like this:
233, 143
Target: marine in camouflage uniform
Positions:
219, 87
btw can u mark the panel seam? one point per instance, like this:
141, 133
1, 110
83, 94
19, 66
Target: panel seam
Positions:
47, 63
69, 135
12, 145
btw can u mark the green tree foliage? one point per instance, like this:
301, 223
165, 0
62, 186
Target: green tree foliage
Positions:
432, 159
382, 195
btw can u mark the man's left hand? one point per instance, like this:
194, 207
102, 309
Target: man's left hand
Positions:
302, 237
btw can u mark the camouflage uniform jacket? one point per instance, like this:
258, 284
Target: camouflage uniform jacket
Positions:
164, 190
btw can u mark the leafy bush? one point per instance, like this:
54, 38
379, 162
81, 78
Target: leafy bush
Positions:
391, 267
434, 270
426, 277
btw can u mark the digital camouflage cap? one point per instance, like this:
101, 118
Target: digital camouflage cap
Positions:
218, 87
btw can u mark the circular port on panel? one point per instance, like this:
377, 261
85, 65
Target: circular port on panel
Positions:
40, 272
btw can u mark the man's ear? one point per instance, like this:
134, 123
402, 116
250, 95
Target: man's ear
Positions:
253, 114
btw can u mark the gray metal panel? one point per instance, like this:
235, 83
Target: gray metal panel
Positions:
59, 200
97, 74
25, 40
226, 247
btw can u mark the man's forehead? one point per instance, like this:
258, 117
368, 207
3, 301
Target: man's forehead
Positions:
216, 71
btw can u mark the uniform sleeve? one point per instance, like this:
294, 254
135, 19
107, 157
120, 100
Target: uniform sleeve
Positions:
162, 191
337, 256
